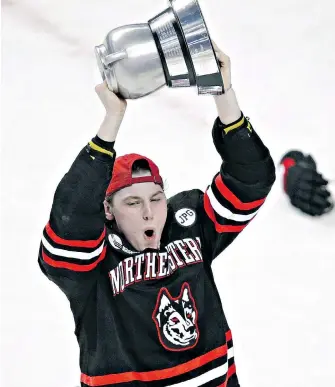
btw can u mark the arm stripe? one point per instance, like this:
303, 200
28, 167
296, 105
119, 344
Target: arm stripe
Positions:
74, 243
236, 202
73, 266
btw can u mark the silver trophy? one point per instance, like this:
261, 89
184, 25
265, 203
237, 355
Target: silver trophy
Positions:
172, 49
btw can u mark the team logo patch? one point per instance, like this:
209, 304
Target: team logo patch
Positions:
176, 319
116, 243
185, 217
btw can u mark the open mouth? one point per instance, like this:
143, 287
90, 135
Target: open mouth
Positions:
150, 233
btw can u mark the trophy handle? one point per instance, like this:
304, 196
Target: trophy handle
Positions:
112, 58
107, 59
104, 61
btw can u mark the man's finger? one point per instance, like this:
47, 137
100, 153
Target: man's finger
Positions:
216, 48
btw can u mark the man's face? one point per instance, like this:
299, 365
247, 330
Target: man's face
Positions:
140, 212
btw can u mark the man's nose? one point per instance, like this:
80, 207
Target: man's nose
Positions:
147, 212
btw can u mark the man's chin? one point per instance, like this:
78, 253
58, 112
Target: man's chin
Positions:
150, 244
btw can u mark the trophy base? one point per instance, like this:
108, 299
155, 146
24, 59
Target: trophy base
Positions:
185, 48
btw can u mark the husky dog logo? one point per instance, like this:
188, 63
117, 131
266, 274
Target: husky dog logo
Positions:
176, 319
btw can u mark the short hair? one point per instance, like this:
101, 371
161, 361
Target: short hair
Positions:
140, 166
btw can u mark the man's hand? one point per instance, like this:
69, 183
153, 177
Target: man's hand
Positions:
225, 66
304, 185
112, 103
115, 110
226, 104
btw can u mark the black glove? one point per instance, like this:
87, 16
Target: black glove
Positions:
305, 186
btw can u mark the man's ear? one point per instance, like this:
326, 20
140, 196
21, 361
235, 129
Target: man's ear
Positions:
108, 211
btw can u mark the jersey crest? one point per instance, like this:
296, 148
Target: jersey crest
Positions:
176, 319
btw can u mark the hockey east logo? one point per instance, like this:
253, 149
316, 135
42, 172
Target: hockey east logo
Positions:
176, 319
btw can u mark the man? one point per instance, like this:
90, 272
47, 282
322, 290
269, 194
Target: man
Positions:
137, 270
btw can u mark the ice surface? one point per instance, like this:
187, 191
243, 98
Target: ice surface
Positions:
277, 279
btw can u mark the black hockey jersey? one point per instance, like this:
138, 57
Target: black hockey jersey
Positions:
154, 318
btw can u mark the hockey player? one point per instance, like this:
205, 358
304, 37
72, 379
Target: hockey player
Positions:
305, 186
136, 267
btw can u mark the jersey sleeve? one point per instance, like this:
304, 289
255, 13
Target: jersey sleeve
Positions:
238, 191
73, 241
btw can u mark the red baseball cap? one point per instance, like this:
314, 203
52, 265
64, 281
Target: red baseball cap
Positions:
122, 173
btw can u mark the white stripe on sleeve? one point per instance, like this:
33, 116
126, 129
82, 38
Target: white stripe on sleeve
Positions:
224, 212
72, 254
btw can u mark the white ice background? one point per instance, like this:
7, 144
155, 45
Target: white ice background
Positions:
277, 280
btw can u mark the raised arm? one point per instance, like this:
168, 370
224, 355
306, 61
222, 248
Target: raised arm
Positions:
246, 175
73, 240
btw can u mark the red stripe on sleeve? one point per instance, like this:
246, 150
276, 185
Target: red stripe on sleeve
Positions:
73, 266
236, 202
74, 243
219, 227
229, 336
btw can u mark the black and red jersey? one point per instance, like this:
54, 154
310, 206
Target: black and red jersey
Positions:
154, 317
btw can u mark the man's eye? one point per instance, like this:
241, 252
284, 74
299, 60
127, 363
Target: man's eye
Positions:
156, 200
132, 203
